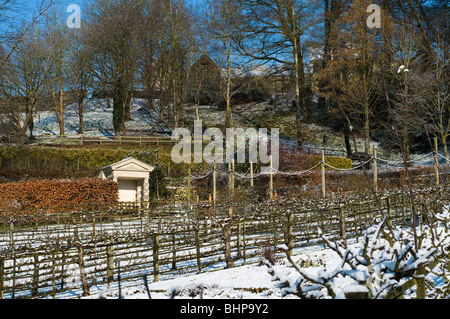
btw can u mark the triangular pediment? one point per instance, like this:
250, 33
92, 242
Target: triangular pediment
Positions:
131, 164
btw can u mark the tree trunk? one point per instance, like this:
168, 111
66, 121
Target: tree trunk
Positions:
299, 85
348, 146
60, 112
22, 130
118, 106
366, 130
444, 144
406, 144
229, 116
31, 124
127, 106
80, 115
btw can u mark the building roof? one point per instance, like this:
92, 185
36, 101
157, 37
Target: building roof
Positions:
130, 163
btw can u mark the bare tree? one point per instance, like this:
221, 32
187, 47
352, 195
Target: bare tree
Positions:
350, 73
276, 30
23, 80
80, 74
225, 21
13, 40
57, 41
113, 37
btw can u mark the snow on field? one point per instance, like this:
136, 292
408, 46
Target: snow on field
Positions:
243, 282
97, 119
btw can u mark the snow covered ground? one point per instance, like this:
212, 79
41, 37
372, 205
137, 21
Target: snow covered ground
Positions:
97, 119
98, 122
243, 282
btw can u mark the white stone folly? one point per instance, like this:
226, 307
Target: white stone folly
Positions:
132, 176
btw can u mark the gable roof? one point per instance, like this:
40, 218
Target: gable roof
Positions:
132, 162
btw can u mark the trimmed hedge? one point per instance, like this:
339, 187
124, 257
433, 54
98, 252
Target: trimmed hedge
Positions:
70, 157
18, 162
58, 195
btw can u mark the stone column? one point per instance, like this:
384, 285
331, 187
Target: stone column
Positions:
146, 191
139, 184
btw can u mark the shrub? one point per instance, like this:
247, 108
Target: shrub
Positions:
338, 162
69, 157
58, 195
292, 161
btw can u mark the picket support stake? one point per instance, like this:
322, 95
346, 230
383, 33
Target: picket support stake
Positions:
155, 257
189, 186
322, 166
375, 168
251, 175
2, 276
197, 248
389, 211
214, 182
271, 178
290, 238
436, 161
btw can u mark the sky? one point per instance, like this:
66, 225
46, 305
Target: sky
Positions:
26, 9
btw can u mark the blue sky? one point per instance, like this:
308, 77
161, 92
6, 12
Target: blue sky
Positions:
29, 7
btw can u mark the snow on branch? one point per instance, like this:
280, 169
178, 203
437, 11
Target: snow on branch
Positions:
384, 265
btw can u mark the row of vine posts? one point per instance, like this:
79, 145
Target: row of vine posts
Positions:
72, 254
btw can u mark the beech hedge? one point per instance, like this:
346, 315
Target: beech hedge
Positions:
59, 195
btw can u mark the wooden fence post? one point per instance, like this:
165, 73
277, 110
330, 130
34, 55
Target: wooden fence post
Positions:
110, 263
375, 168
251, 175
209, 206
239, 240
14, 275
174, 252
214, 182
93, 225
2, 276
83, 276
389, 211
231, 179
342, 226
436, 161
227, 245
244, 244
63, 260
35, 283
290, 234
322, 166
197, 249
189, 186
155, 257
53, 275
230, 182
271, 179
11, 234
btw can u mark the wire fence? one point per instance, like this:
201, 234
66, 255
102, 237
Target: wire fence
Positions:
371, 165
